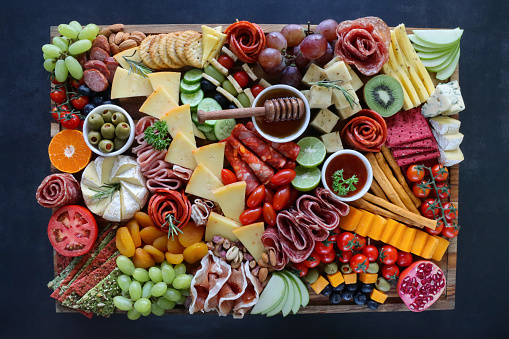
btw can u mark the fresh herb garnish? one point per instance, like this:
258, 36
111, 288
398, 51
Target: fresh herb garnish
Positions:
158, 136
105, 191
341, 185
172, 227
137, 67
334, 84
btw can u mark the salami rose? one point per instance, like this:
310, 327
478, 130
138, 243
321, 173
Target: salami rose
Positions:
57, 190
246, 40
366, 132
169, 210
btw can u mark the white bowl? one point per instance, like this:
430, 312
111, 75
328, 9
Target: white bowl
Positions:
366, 163
99, 110
307, 116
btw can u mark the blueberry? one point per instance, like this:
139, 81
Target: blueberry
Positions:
360, 298
372, 304
340, 287
207, 85
347, 295
335, 298
327, 290
367, 288
221, 100
351, 287
84, 90
98, 100
88, 108
232, 106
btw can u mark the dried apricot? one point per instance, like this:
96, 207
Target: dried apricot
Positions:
157, 255
174, 246
143, 219
124, 242
150, 233
191, 234
134, 229
161, 243
141, 259
174, 259
195, 252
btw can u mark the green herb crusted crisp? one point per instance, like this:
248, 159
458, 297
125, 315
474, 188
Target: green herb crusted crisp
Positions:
342, 186
158, 136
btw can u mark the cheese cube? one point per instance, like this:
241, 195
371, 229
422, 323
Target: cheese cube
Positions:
459, 105
377, 227
389, 229
445, 125
429, 247
320, 97
251, 237
442, 246
378, 296
346, 112
212, 156
368, 278
249, 95
158, 103
226, 94
179, 119
350, 278
356, 82
332, 142
131, 54
397, 235
222, 226
305, 93
319, 284
127, 85
219, 67
336, 279
406, 242
332, 62
211, 79
349, 222
448, 142
325, 121
314, 73
420, 239
338, 72
180, 152
203, 182
249, 72
170, 81
339, 98
450, 158
232, 199
364, 223
230, 54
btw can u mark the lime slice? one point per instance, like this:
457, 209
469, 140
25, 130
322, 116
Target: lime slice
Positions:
312, 152
307, 179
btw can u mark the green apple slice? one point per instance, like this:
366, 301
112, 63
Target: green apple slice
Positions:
271, 295
303, 289
436, 55
424, 49
439, 37
287, 308
446, 73
418, 41
297, 300
444, 63
283, 301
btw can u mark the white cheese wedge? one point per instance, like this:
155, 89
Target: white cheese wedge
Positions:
209, 42
203, 182
325, 121
338, 72
211, 79
339, 99
170, 81
445, 125
103, 167
446, 100
127, 85
133, 176
448, 142
222, 226
251, 237
96, 206
314, 73
332, 142
232, 55
131, 53
232, 198
450, 158
113, 211
249, 72
346, 112
219, 67
90, 176
180, 152
332, 62
128, 204
121, 164
234, 83
140, 193
264, 83
320, 97
179, 119
212, 156
208, 31
459, 105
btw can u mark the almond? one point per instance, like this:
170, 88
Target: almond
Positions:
111, 38
116, 28
136, 38
114, 49
262, 275
140, 34
129, 43
127, 36
272, 257
105, 31
119, 37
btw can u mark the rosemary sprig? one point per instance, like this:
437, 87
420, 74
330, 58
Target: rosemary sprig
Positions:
137, 67
105, 191
334, 84
341, 185
158, 136
172, 227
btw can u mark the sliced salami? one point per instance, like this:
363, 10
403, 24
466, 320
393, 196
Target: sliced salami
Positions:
98, 54
95, 80
112, 65
101, 42
57, 190
271, 240
332, 200
296, 240
319, 212
98, 65
241, 169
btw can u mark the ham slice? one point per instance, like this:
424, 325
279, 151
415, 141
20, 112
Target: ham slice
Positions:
250, 296
232, 290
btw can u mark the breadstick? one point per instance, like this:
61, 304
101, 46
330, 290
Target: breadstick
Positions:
377, 190
384, 182
395, 184
399, 175
363, 204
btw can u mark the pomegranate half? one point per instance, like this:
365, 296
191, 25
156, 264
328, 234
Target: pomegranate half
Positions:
420, 285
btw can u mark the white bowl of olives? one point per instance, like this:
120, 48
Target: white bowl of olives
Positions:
108, 130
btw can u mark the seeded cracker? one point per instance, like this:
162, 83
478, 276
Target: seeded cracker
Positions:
193, 50
172, 50
153, 50
144, 52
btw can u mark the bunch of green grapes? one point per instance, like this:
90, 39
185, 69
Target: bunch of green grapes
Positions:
60, 56
153, 291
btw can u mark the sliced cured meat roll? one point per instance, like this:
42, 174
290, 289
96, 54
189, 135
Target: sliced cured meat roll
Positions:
272, 240
241, 169
246, 40
259, 168
57, 190
366, 132
296, 240
288, 149
169, 210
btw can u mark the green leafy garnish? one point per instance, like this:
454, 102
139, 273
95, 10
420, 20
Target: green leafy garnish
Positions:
105, 191
341, 185
173, 229
137, 67
158, 136
334, 84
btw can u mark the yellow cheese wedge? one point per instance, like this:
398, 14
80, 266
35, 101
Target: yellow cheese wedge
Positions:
158, 103
211, 156
131, 53
208, 31
420, 239
202, 183
364, 223
407, 241
179, 119
397, 235
251, 237
442, 246
232, 199
389, 229
222, 226
170, 81
349, 222
377, 227
197, 133
127, 85
209, 42
180, 152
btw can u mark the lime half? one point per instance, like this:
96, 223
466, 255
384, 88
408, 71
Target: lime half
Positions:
312, 152
307, 179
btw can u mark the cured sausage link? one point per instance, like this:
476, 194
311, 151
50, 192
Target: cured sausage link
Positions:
241, 169
288, 149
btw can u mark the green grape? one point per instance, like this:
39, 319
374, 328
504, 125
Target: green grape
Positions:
74, 67
165, 304
133, 314
125, 264
76, 25
61, 71
185, 292
156, 310
146, 313
172, 294
45, 56
49, 65
142, 305
80, 46
67, 31
155, 274
182, 281
181, 301
179, 269
126, 294
140, 274
51, 51
89, 32
123, 303
60, 43
167, 273
124, 281
159, 289
147, 289
135, 290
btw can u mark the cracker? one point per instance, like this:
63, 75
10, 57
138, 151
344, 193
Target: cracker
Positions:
163, 51
172, 52
406, 127
153, 51
180, 45
193, 50
144, 52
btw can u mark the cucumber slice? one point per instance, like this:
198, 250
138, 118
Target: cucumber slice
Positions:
227, 85
189, 88
210, 136
211, 123
193, 76
193, 99
194, 117
244, 100
223, 128
210, 70
205, 128
209, 105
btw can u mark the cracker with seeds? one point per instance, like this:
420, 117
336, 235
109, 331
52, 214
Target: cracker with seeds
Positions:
180, 44
193, 50
144, 52
153, 51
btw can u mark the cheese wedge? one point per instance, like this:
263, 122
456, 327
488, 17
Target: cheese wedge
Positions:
158, 103
251, 237
128, 204
127, 85
180, 152
103, 167
96, 206
222, 226
232, 199
113, 211
170, 81
179, 119
122, 164
197, 133
203, 182
212, 156
131, 53
208, 31
90, 176
209, 42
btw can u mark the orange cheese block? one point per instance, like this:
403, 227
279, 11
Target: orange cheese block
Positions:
350, 278
364, 223
442, 246
368, 278
429, 247
377, 227
378, 296
420, 239
336, 279
406, 242
319, 284
389, 229
349, 222
397, 235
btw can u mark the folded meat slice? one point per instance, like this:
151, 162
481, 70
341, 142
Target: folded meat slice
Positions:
232, 290
250, 296
219, 273
318, 233
272, 240
332, 200
200, 285
296, 240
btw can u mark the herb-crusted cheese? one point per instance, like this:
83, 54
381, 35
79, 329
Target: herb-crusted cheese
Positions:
338, 72
339, 98
332, 142
320, 97
315, 73
325, 121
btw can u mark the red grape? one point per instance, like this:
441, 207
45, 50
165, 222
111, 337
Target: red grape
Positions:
326, 57
276, 40
291, 76
313, 46
270, 58
294, 34
327, 28
275, 70
300, 60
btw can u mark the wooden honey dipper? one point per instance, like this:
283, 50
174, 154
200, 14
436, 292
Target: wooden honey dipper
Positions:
274, 110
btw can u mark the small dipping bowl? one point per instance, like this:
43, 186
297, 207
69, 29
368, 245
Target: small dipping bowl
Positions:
267, 94
99, 110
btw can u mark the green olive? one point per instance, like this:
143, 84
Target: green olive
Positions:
95, 121
123, 130
119, 143
345, 269
331, 268
382, 284
373, 267
107, 115
312, 275
117, 118
108, 131
106, 146
94, 137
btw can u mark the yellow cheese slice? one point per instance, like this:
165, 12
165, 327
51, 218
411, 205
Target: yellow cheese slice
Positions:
131, 53
219, 29
127, 85
158, 103
209, 41
202, 183
232, 199
179, 119
220, 36
251, 238
198, 133
169, 80
222, 226
180, 152
212, 156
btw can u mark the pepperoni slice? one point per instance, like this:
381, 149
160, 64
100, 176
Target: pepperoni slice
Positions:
246, 40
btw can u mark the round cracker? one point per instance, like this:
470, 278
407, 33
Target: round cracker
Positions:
154, 47
172, 52
144, 52
180, 45
168, 43
193, 50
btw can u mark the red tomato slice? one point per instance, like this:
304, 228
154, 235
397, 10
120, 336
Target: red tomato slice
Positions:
72, 230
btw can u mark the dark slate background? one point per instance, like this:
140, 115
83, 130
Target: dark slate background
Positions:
26, 310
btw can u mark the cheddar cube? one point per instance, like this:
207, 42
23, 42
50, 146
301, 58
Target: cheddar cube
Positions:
320, 97
336, 279
368, 278
338, 72
350, 278
349, 222
420, 239
364, 223
389, 229
397, 235
319, 284
442, 246
429, 247
378, 296
406, 242
377, 227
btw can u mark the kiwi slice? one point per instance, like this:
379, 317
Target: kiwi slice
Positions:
384, 95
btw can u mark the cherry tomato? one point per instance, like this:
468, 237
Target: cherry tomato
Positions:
430, 208
283, 177
422, 189
269, 214
256, 197
70, 121
281, 198
440, 172
77, 83
290, 164
371, 252
404, 259
58, 95
323, 247
269, 195
414, 174
250, 215
271, 186
444, 190
228, 177
79, 101
345, 256
226, 62
390, 272
451, 231
388, 254
56, 82
334, 235
59, 112
346, 241
255, 90
328, 257
313, 260
450, 211
437, 230
301, 269
294, 195
359, 242
242, 78
359, 263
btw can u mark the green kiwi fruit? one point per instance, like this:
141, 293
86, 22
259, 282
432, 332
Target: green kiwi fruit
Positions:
384, 95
